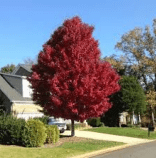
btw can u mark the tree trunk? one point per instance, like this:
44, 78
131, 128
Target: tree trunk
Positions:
120, 124
132, 118
139, 118
153, 122
72, 128
119, 120
152, 116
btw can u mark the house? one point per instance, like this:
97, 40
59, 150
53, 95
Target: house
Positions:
15, 93
125, 118
22, 70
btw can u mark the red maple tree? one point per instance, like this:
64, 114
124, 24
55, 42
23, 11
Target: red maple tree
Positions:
70, 80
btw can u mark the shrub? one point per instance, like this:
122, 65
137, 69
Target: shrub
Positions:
34, 134
52, 134
11, 129
101, 124
57, 133
43, 119
94, 122
2, 109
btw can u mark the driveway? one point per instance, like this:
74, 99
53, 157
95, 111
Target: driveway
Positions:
108, 137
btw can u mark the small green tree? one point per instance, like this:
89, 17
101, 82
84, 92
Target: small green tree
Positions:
8, 68
133, 96
130, 98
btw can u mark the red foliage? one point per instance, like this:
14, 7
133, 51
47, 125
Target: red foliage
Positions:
70, 80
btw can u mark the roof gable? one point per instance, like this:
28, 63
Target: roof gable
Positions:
22, 70
8, 89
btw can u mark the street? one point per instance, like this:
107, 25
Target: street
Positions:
147, 150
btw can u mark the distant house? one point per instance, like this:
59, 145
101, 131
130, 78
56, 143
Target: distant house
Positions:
15, 93
125, 118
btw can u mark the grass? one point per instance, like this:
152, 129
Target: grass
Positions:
90, 145
63, 151
125, 131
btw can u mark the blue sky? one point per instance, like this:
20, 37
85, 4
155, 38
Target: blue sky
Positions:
25, 25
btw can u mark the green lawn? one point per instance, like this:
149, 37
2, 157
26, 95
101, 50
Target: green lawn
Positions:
63, 151
124, 131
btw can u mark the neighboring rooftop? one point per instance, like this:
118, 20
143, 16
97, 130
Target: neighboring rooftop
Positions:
27, 67
10, 91
22, 70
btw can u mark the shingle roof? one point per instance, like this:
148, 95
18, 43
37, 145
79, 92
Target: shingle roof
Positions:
24, 66
10, 92
27, 67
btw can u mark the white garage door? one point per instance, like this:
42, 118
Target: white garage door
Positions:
26, 116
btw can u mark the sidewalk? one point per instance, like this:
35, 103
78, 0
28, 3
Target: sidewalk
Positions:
108, 137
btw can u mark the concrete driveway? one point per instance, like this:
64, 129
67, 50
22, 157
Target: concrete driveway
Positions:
108, 137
